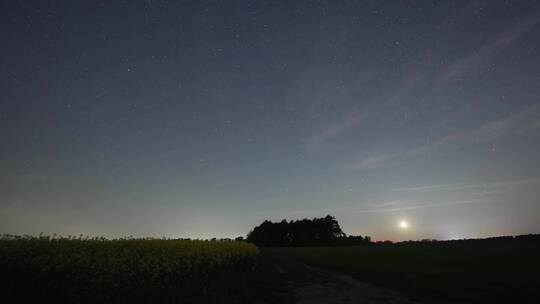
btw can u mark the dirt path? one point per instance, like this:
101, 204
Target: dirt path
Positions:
285, 280
324, 287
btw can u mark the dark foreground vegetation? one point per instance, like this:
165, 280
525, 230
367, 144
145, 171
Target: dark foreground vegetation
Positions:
77, 270
496, 270
61, 270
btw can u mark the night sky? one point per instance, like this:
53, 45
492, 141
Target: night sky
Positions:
203, 118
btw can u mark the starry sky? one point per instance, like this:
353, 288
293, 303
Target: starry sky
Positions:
203, 118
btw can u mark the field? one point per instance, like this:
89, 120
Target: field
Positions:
487, 271
75, 270
121, 271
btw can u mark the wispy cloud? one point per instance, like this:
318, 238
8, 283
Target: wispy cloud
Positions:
401, 89
483, 193
492, 187
392, 96
374, 161
413, 77
490, 131
532, 125
331, 131
480, 58
423, 188
518, 123
384, 208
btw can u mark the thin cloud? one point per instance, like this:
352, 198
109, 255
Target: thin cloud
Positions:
422, 188
334, 130
374, 161
517, 123
479, 59
408, 83
393, 96
386, 207
420, 206
495, 129
531, 126
400, 90
488, 186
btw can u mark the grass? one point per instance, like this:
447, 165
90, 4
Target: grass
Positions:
461, 271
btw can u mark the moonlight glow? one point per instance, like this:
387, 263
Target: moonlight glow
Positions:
403, 225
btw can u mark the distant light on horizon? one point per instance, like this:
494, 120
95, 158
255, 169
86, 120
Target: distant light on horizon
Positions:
403, 224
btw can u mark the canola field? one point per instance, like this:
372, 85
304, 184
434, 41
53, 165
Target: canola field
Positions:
124, 270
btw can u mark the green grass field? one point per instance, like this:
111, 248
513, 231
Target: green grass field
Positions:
467, 271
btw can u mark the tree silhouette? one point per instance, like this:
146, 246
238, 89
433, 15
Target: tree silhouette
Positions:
324, 231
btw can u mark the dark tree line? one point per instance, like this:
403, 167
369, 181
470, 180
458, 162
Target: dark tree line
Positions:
324, 231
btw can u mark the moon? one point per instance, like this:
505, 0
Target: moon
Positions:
403, 225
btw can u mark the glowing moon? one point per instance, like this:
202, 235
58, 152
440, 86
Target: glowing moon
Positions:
403, 225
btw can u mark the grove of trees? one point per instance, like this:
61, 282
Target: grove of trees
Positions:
324, 231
